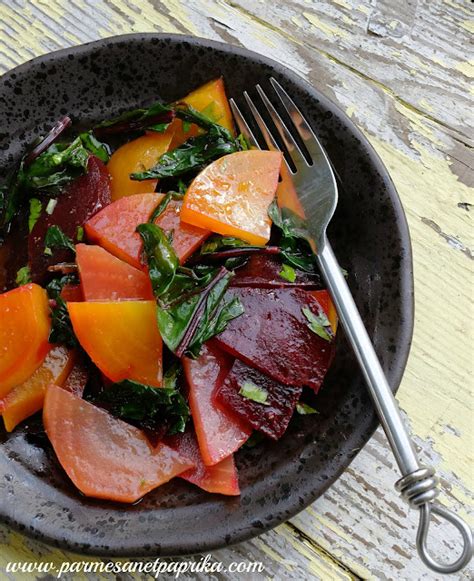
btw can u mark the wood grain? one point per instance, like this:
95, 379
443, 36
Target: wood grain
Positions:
403, 72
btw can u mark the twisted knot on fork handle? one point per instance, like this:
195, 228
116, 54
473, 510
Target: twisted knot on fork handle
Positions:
419, 487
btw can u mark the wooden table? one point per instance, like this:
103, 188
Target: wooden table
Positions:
401, 71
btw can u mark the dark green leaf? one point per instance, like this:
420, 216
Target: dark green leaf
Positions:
190, 301
58, 165
131, 400
319, 324
255, 439
161, 258
61, 327
35, 212
21, 179
295, 241
217, 314
55, 238
55, 287
163, 205
254, 392
195, 153
23, 276
201, 119
94, 146
191, 156
153, 117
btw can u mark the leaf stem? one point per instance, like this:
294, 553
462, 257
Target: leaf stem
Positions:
48, 140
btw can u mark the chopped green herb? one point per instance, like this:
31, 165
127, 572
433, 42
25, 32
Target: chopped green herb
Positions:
211, 112
35, 212
244, 144
23, 276
253, 392
319, 324
50, 206
186, 126
216, 243
158, 127
288, 273
304, 409
55, 238
182, 187
80, 234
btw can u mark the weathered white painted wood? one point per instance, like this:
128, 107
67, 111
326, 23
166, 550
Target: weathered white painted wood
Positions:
403, 72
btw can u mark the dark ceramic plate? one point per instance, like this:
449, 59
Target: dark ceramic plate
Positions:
370, 237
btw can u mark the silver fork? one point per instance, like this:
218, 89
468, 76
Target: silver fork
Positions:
317, 191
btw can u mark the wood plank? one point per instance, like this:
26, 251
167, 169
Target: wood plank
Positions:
403, 77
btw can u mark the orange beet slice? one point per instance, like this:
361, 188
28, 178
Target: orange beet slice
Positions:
231, 195
26, 399
105, 277
219, 433
209, 99
324, 299
121, 338
104, 456
137, 155
24, 331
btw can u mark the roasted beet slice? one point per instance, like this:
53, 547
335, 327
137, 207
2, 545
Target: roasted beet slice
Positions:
79, 201
264, 271
221, 478
273, 336
219, 433
270, 417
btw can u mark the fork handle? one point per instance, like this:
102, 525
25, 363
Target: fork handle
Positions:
418, 485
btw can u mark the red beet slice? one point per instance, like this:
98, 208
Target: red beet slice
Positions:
79, 201
264, 271
221, 478
273, 336
219, 433
272, 417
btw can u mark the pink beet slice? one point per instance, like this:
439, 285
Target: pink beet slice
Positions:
115, 228
271, 417
219, 433
264, 272
273, 336
79, 201
221, 478
107, 278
